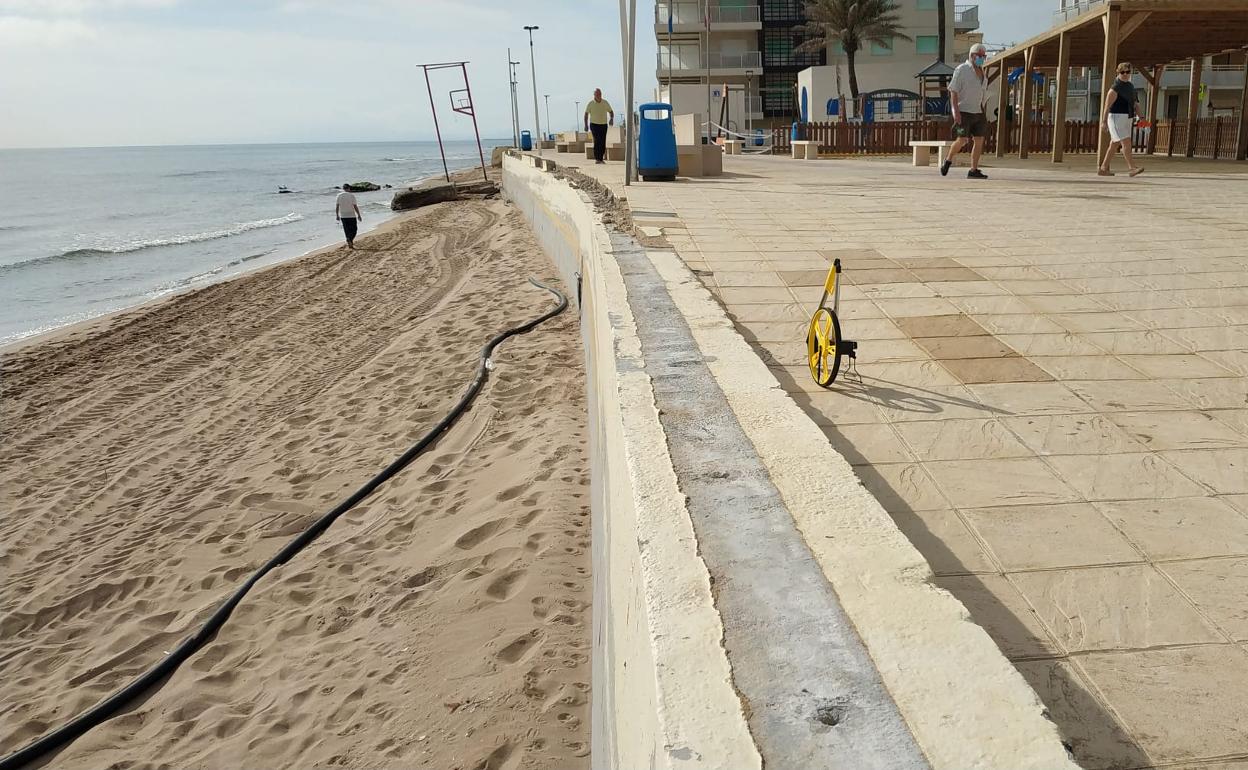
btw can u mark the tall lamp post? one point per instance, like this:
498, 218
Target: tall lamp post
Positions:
537, 123
576, 122
749, 86
511, 87
548, 126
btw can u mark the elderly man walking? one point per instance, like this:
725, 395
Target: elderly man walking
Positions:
599, 115
968, 95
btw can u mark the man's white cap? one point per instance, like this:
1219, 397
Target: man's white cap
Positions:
979, 48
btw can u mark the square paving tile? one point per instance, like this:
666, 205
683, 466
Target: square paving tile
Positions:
1180, 704
1031, 398
991, 483
875, 276
1213, 393
1178, 430
922, 306
1050, 345
997, 606
973, 439
996, 370
902, 487
940, 326
945, 542
804, 277
869, 444
1182, 528
1113, 608
828, 407
1096, 737
1177, 366
767, 313
1029, 537
754, 294
747, 279
930, 274
981, 346
1123, 396
1066, 434
1086, 367
1136, 476
1217, 587
1018, 324
1225, 471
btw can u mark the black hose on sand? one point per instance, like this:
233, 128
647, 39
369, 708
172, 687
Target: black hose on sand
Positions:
109, 707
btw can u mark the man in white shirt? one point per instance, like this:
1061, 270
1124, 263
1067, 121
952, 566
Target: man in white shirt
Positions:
968, 96
347, 211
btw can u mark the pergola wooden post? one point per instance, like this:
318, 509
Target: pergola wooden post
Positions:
1059, 101
1109, 61
1028, 96
1241, 153
1003, 97
1154, 96
1193, 105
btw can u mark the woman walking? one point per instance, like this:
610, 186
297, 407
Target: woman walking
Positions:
1117, 115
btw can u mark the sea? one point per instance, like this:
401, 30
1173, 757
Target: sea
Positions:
85, 232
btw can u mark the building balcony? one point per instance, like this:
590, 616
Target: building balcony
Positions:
965, 18
1070, 10
687, 17
718, 64
1219, 76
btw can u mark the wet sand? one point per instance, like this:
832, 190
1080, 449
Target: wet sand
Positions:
151, 462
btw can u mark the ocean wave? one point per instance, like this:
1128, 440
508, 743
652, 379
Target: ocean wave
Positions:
154, 243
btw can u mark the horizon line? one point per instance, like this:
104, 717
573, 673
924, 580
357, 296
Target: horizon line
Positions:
484, 140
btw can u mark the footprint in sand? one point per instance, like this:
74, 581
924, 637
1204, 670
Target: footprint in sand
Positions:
521, 648
505, 586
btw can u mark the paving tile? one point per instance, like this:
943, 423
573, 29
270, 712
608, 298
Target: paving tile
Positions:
1135, 343
945, 542
1219, 337
744, 279
913, 374
1183, 528
901, 487
960, 439
1180, 704
1018, 324
860, 277
760, 331
868, 444
1095, 736
1084, 323
1071, 434
1113, 608
1030, 398
1030, 537
1225, 471
996, 370
1236, 419
992, 305
1212, 393
1065, 303
767, 313
996, 605
980, 346
1178, 429
1050, 345
804, 277
1237, 501
1177, 366
1217, 587
990, 483
1141, 476
930, 274
1127, 395
1086, 367
889, 351
754, 294
939, 326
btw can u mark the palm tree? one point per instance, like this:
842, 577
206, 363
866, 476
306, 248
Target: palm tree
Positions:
852, 23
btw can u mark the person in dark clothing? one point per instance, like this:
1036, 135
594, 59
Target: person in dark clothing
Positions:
1117, 116
599, 115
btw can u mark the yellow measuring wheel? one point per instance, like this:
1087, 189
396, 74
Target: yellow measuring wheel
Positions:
824, 345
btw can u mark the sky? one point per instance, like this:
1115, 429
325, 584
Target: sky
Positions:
90, 73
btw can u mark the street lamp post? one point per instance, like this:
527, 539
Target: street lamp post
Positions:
576, 122
537, 123
548, 125
749, 86
511, 88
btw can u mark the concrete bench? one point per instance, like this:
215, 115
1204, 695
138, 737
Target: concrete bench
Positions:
923, 151
733, 146
805, 150
614, 151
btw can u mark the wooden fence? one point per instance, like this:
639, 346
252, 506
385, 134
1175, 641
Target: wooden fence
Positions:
1215, 137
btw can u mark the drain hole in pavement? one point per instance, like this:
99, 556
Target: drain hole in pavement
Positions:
832, 712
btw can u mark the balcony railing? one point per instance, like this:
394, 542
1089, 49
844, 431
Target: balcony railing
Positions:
966, 17
717, 61
1075, 9
691, 13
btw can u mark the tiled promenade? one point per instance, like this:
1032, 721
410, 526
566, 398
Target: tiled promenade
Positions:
1051, 400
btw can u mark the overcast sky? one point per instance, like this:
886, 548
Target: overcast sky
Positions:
134, 72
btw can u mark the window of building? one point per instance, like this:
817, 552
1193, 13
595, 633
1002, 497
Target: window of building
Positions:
881, 50
783, 11
779, 50
834, 106
927, 44
928, 5
894, 106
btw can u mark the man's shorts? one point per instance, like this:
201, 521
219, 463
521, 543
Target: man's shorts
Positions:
972, 124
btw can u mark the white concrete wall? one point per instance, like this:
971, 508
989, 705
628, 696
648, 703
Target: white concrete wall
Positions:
662, 687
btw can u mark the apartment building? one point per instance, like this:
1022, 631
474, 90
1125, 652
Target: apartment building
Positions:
747, 56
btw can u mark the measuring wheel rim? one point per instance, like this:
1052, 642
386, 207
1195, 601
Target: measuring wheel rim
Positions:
823, 339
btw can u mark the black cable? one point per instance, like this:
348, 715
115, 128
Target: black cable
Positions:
108, 707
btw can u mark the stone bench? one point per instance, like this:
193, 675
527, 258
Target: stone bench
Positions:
614, 151
923, 151
733, 146
804, 149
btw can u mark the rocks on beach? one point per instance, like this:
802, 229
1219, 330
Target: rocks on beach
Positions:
361, 187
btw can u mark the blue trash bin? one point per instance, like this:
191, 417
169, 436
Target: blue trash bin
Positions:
758, 137
526, 141
656, 143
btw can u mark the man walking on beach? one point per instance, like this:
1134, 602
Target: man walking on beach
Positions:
968, 94
1117, 115
347, 211
599, 115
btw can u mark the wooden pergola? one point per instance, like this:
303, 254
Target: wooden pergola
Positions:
1149, 34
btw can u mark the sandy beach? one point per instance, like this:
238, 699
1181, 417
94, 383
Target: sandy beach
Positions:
149, 463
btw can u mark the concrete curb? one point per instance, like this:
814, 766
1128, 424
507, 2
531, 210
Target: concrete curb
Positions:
663, 694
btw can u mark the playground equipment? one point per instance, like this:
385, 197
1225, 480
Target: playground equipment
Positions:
824, 345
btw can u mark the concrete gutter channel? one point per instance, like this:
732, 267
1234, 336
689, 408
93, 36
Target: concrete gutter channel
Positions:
753, 603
